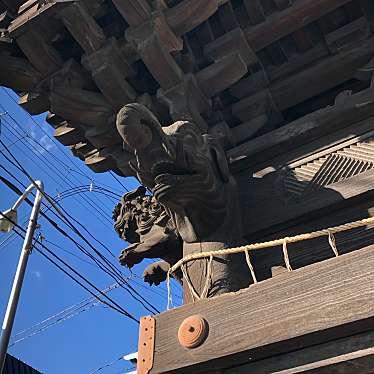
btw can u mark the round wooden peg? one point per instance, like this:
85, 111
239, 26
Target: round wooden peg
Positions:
193, 331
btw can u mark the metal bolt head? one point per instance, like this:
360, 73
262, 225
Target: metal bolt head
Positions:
193, 331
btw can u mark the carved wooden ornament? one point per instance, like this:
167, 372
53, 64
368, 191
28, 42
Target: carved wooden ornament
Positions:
193, 331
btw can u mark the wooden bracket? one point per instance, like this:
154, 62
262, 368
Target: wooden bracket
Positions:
146, 345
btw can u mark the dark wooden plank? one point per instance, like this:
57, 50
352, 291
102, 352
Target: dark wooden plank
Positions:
307, 128
221, 75
17, 73
13, 5
322, 76
291, 19
43, 56
133, 11
189, 14
312, 305
298, 61
250, 85
83, 27
356, 187
350, 355
231, 42
254, 10
348, 34
109, 70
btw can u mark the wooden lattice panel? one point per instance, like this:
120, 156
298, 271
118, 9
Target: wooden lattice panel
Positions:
335, 167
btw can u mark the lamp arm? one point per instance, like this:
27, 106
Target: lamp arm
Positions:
37, 184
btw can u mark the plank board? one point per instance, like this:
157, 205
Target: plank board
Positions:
312, 305
291, 19
354, 354
306, 129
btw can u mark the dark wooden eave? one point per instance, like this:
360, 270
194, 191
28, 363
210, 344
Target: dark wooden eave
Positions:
83, 60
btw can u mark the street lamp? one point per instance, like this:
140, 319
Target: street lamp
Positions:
8, 220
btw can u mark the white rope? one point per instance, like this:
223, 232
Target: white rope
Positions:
329, 232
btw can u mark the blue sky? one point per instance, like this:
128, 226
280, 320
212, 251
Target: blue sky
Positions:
99, 335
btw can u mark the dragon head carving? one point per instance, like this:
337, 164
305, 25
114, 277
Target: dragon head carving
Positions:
144, 223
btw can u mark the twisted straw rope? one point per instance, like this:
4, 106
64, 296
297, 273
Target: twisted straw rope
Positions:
273, 243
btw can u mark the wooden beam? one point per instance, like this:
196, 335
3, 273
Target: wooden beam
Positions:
17, 73
109, 70
291, 19
155, 40
33, 14
34, 103
83, 27
81, 106
39, 52
189, 14
133, 11
231, 42
324, 301
221, 75
349, 34
254, 10
322, 76
357, 108
354, 354
69, 134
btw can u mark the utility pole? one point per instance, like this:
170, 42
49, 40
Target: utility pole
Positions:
7, 222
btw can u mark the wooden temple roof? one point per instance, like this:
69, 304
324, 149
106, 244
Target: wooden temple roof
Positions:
238, 68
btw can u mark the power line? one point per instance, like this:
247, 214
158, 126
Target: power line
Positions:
54, 141
102, 213
107, 267
42, 129
114, 304
106, 365
116, 178
29, 136
59, 317
42, 213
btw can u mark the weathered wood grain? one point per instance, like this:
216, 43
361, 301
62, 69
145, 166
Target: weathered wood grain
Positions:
291, 19
322, 76
190, 13
354, 354
17, 73
109, 70
39, 52
133, 11
354, 187
358, 107
83, 27
221, 75
332, 299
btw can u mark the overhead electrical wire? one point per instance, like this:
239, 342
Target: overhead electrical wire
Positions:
58, 146
36, 246
104, 366
106, 265
46, 133
61, 196
110, 265
60, 162
59, 317
95, 205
